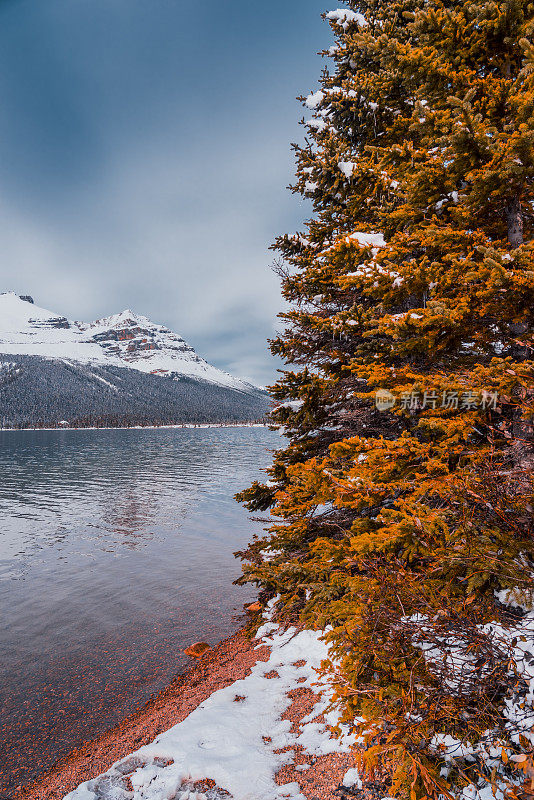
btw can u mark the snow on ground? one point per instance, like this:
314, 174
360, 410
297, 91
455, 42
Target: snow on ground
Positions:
122, 340
233, 736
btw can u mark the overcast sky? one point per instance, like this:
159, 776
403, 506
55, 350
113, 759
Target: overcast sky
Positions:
144, 155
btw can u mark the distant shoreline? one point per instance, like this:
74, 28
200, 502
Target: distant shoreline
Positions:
186, 425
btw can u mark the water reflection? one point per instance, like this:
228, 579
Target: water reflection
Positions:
115, 552
111, 485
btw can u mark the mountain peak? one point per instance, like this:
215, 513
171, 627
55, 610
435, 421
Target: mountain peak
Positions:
126, 339
26, 298
18, 313
116, 320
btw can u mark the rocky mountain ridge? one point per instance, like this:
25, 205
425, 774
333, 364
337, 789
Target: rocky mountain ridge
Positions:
118, 371
122, 340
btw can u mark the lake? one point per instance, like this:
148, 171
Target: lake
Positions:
116, 553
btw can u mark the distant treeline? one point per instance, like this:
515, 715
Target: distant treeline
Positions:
37, 392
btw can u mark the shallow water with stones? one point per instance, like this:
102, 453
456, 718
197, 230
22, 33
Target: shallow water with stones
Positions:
116, 552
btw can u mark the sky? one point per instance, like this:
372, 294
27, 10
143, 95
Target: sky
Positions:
144, 159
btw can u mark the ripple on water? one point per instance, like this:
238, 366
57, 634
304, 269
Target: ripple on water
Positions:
115, 553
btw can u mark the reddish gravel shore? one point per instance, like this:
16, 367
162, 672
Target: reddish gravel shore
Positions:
321, 777
231, 660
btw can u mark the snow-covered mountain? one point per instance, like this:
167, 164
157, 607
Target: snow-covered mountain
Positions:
123, 340
121, 371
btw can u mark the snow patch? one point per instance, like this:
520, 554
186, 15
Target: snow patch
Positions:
294, 405
234, 743
345, 18
352, 779
314, 100
368, 239
347, 168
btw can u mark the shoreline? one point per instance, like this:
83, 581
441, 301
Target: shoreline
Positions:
310, 768
177, 426
228, 661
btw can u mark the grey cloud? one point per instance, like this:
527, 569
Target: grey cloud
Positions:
163, 196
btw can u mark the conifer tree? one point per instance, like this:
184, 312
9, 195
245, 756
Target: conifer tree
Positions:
402, 504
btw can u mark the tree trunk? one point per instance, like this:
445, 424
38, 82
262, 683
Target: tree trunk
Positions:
514, 217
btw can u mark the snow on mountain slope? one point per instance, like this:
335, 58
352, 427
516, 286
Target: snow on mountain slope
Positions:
123, 340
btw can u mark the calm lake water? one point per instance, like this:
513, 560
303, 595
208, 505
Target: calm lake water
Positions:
116, 552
